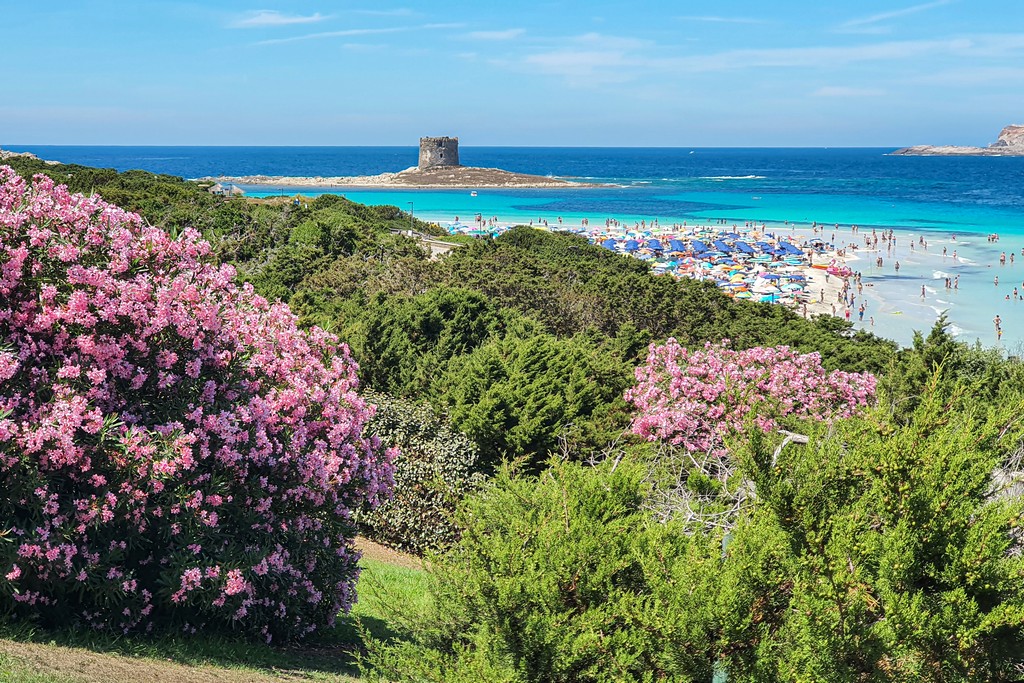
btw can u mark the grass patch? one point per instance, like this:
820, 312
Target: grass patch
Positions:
331, 657
15, 671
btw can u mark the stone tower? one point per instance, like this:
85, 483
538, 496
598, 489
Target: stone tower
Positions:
436, 152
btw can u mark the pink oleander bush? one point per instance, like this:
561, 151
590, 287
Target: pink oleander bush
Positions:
694, 399
174, 451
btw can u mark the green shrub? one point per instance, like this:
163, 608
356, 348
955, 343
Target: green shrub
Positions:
436, 469
564, 577
517, 396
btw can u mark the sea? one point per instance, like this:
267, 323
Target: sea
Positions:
956, 205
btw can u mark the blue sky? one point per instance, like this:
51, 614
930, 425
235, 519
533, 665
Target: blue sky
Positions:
597, 73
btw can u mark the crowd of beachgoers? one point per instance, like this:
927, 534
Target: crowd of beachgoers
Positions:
749, 261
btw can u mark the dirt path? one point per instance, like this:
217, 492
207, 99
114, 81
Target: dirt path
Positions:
380, 553
85, 666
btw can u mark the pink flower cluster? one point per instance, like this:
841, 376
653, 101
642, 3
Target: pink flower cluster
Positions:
173, 449
693, 399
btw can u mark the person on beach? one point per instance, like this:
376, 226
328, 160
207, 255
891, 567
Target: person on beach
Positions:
860, 312
956, 282
872, 321
897, 266
999, 325
996, 280
922, 291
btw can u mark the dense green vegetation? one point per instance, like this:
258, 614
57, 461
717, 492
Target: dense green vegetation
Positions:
885, 549
525, 342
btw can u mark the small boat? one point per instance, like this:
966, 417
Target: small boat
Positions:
473, 193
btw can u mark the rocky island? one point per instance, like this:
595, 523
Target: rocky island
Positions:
431, 178
1010, 143
4, 155
438, 167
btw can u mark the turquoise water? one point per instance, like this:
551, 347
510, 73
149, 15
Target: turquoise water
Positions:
951, 202
893, 299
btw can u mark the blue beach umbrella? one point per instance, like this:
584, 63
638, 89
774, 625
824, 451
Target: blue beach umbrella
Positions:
632, 245
654, 245
609, 244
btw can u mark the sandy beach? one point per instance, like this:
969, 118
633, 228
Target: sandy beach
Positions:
449, 177
822, 289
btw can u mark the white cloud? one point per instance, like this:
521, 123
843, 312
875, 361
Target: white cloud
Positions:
507, 34
400, 12
725, 20
595, 59
347, 33
584, 67
267, 17
868, 24
844, 91
1001, 76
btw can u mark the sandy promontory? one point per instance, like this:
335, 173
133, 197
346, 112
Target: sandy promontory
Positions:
440, 177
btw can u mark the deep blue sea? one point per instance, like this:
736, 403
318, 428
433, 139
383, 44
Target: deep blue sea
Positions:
951, 202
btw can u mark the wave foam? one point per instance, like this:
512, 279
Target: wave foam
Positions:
720, 178
940, 275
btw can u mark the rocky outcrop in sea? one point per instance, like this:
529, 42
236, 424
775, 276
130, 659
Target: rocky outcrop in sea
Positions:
1010, 143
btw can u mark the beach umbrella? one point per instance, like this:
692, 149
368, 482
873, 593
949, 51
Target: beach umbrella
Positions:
631, 245
772, 276
654, 245
609, 244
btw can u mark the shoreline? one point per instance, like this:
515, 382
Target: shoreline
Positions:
822, 291
450, 177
